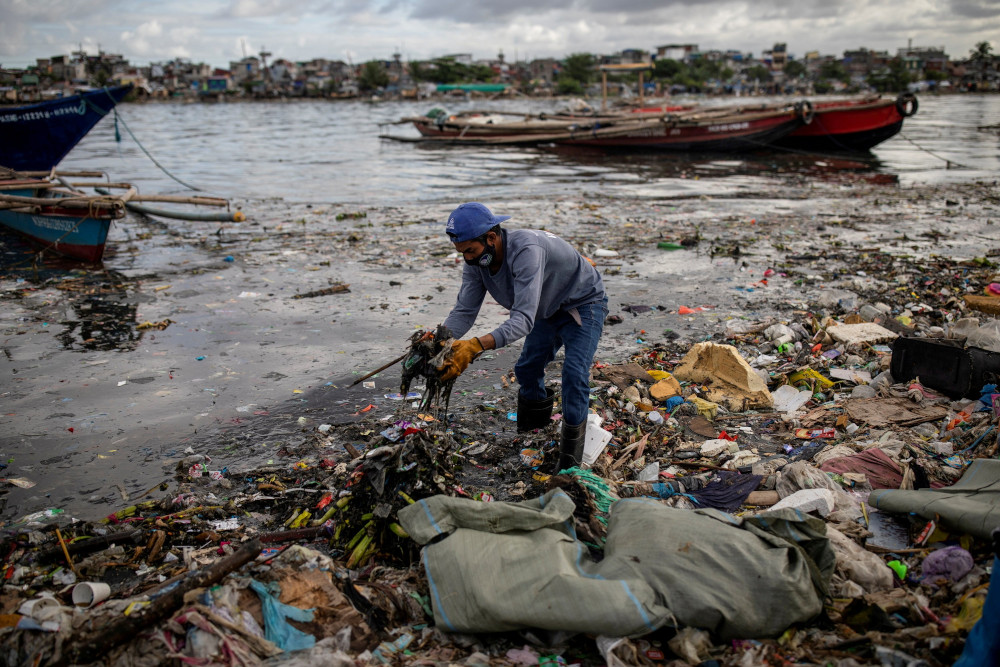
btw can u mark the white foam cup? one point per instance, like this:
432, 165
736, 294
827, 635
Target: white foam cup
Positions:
36, 606
89, 593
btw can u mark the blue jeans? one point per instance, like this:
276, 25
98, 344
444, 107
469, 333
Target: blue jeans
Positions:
580, 341
982, 647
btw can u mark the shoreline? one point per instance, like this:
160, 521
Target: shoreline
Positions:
90, 427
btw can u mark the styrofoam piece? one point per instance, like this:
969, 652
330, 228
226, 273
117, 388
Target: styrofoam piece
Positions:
808, 500
715, 447
789, 399
856, 335
596, 439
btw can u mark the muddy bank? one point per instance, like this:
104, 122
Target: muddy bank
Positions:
98, 408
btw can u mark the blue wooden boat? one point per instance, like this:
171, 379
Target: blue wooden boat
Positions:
35, 137
70, 224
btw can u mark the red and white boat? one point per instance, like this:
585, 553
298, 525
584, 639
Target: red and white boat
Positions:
836, 125
851, 124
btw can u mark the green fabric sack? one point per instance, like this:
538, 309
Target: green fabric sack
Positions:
496, 567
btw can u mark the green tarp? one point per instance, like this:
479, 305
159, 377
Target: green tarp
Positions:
473, 87
496, 567
971, 505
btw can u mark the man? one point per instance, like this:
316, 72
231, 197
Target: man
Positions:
556, 299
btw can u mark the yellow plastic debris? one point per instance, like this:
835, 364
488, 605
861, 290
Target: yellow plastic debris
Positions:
706, 409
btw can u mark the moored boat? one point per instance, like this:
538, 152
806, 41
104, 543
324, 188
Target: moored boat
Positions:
57, 216
851, 124
35, 137
69, 223
710, 130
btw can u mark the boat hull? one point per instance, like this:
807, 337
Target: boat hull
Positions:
76, 236
726, 137
36, 137
726, 134
848, 126
77, 233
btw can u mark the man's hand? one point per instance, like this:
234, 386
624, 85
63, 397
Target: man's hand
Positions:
462, 354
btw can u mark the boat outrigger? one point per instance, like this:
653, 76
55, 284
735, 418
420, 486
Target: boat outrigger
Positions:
56, 216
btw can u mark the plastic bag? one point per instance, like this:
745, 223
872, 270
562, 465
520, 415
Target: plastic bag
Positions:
276, 628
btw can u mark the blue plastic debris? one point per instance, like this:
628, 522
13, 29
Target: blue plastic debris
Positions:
276, 628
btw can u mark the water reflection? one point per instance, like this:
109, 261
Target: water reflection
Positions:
105, 313
320, 151
96, 308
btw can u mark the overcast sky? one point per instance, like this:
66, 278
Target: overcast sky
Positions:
215, 31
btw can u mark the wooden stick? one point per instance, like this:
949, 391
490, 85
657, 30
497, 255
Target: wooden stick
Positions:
91, 643
69, 560
382, 368
88, 545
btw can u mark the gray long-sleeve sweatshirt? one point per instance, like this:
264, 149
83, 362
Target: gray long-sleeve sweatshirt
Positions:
541, 275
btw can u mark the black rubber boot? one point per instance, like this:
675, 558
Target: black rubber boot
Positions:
534, 414
571, 447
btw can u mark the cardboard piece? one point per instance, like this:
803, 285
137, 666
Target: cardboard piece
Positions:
665, 388
624, 375
889, 411
983, 303
729, 378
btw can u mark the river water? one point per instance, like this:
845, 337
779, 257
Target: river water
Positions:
99, 408
330, 152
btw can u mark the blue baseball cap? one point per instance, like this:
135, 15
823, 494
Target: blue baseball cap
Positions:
470, 221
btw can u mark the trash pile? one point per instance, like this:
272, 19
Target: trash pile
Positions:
819, 489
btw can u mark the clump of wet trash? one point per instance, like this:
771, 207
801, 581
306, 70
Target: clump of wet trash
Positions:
858, 432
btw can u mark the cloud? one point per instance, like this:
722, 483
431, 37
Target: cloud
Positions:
143, 40
211, 30
977, 9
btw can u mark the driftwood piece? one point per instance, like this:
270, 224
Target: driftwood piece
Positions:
87, 546
91, 644
339, 288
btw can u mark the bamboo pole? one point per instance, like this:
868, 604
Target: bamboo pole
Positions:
229, 216
65, 202
179, 199
40, 185
69, 174
199, 200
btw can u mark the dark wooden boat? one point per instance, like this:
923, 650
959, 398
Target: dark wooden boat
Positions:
35, 137
710, 130
851, 124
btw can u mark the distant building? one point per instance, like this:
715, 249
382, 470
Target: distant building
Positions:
860, 62
544, 70
460, 58
922, 59
680, 52
247, 69
778, 56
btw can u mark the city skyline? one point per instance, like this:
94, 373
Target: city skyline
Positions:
217, 32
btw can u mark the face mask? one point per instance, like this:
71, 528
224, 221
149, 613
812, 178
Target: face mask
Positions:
485, 257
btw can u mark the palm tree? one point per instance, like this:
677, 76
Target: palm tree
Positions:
982, 55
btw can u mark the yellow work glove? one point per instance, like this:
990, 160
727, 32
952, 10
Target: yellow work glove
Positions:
462, 354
